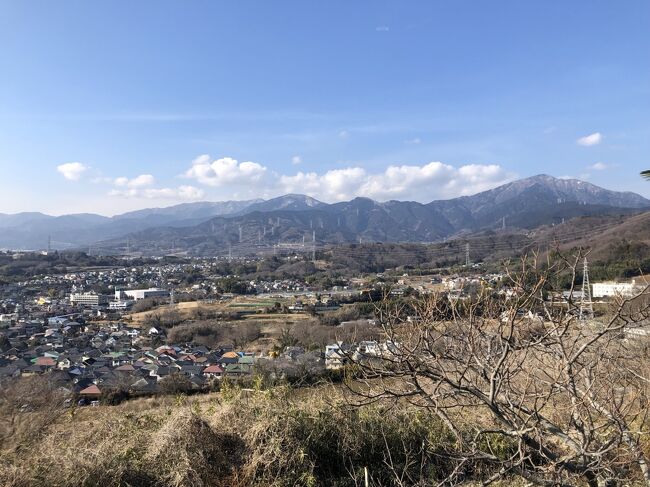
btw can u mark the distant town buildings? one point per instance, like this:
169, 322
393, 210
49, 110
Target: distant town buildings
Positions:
611, 288
138, 294
88, 299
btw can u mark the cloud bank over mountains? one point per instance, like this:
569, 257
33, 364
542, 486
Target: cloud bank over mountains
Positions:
228, 178
426, 182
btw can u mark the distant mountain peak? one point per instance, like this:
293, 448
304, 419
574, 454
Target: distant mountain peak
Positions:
525, 203
290, 202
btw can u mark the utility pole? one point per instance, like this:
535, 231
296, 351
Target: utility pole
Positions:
467, 254
586, 305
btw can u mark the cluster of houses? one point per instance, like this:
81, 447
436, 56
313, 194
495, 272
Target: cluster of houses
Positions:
339, 354
90, 359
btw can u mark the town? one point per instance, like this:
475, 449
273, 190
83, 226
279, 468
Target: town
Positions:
188, 337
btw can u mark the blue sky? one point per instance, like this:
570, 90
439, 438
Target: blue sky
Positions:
112, 106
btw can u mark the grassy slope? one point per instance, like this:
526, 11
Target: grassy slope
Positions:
275, 437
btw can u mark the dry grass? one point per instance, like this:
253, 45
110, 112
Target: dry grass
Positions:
236, 438
160, 444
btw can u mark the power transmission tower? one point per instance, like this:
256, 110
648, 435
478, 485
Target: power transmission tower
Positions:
586, 305
503, 225
313, 246
240, 234
467, 255
49, 244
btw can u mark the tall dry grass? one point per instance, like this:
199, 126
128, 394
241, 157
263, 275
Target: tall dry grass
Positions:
277, 437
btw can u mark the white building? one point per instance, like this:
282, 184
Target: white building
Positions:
88, 299
120, 305
335, 356
611, 288
138, 294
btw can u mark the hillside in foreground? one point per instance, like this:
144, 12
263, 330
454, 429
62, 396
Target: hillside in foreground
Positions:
233, 438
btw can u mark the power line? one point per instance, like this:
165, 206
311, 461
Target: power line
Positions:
586, 305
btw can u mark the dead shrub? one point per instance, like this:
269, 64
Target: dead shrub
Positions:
187, 451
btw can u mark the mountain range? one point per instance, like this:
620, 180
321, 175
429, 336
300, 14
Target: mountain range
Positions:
206, 228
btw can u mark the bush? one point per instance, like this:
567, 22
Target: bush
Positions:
175, 383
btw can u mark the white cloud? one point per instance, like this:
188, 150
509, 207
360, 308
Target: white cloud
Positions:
344, 134
224, 171
72, 170
413, 182
422, 183
591, 139
415, 140
179, 193
382, 28
295, 160
137, 182
599, 166
334, 185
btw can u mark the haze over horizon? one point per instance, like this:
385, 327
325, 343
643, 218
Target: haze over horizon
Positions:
116, 107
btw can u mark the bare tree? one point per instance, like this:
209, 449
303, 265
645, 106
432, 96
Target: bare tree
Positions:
524, 386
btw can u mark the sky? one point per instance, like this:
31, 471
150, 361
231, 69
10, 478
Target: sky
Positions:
107, 107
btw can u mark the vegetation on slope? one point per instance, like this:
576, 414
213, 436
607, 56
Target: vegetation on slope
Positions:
274, 437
